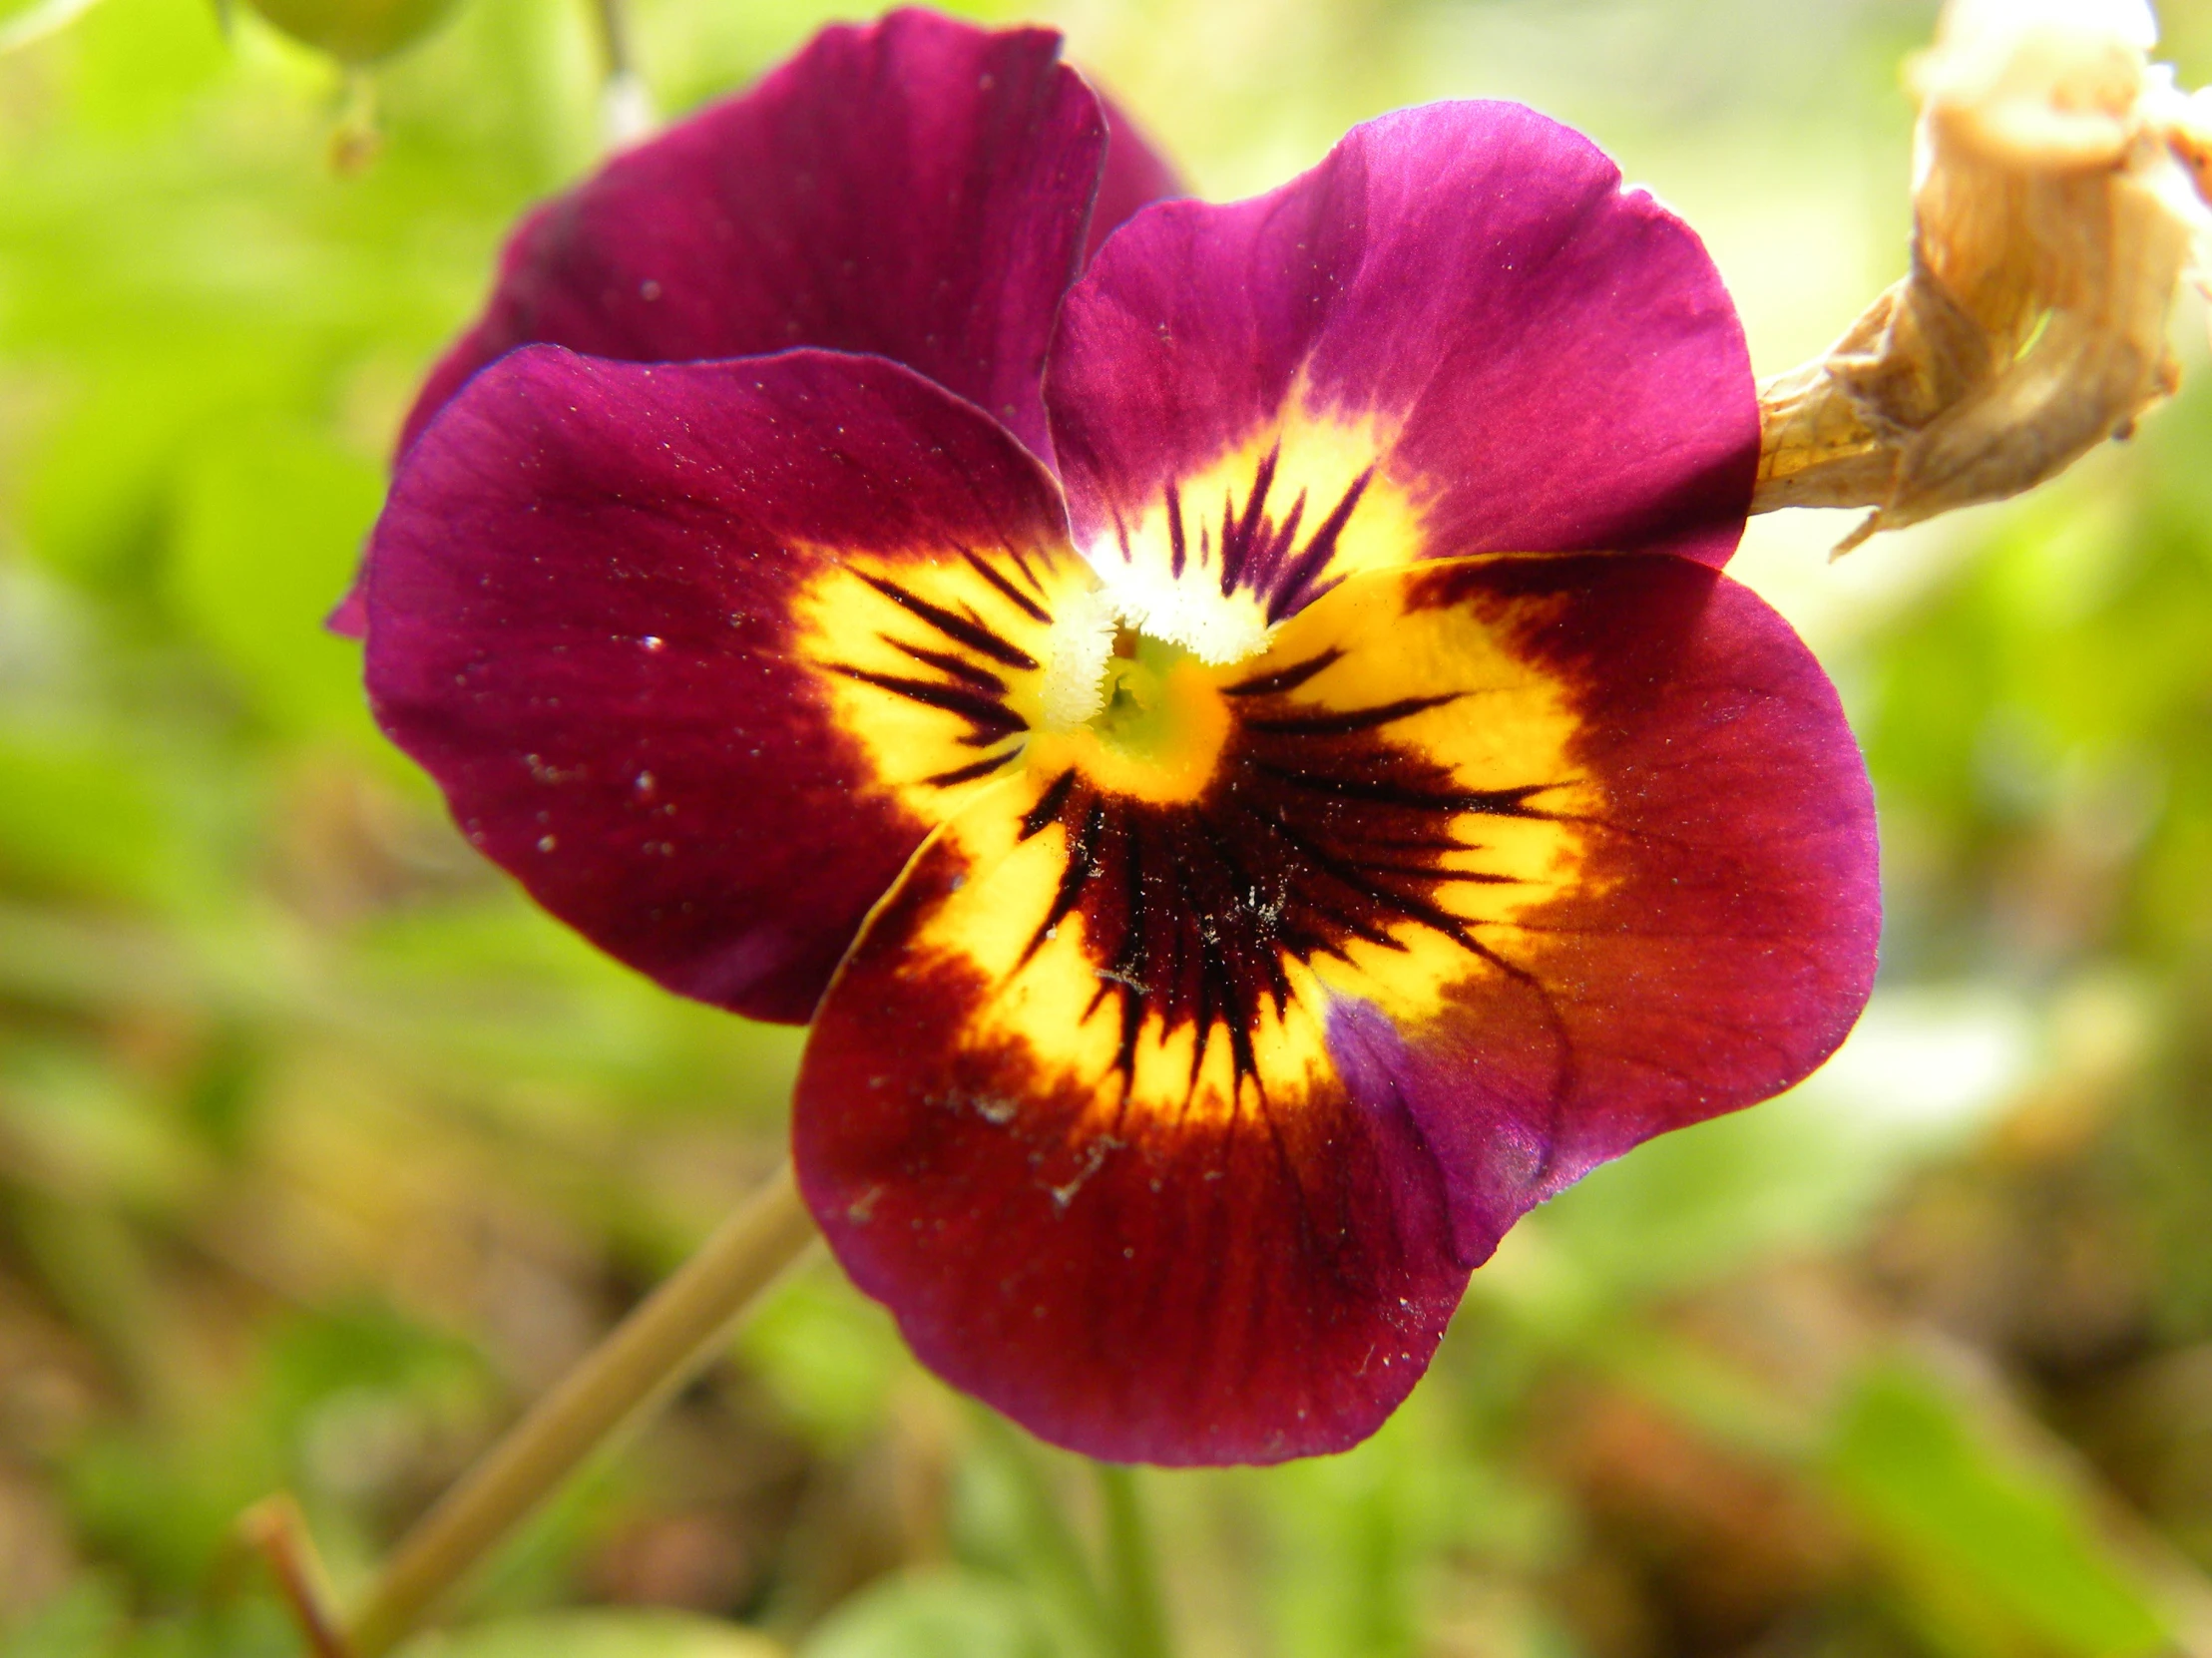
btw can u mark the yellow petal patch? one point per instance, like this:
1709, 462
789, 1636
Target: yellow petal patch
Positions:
934, 663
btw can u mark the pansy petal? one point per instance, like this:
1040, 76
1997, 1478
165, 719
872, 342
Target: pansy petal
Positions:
700, 652
1661, 897
917, 189
1178, 1270
1167, 1104
1458, 334
1136, 176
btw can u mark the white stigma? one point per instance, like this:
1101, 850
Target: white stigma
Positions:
1216, 628
1076, 654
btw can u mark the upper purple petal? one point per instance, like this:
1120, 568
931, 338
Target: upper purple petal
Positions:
1527, 357
917, 189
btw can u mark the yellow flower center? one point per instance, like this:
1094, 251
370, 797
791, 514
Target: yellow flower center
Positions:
1158, 730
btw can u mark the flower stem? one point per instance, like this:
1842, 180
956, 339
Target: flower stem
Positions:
666, 1341
1132, 1577
276, 1530
626, 105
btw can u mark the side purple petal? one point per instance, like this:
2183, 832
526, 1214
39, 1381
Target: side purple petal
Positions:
1720, 939
1531, 358
700, 652
917, 189
1136, 176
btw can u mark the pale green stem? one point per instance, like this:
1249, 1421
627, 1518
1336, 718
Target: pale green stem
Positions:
626, 105
661, 1346
1132, 1575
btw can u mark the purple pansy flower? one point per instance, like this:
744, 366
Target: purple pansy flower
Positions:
1248, 809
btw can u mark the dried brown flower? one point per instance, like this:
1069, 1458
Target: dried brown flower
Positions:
2058, 201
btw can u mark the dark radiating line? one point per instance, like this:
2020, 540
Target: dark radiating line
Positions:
1083, 863
1475, 877
1202, 1018
1288, 678
1049, 804
1365, 931
1286, 537
1130, 954
1352, 719
1177, 548
1014, 596
979, 711
1360, 880
974, 634
1488, 802
1263, 923
1318, 553
946, 662
1215, 970
1238, 538
1417, 843
1347, 875
1021, 564
967, 773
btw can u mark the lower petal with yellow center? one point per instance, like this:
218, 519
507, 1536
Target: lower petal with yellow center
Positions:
1171, 1097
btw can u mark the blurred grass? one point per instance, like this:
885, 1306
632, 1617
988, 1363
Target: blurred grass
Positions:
320, 1150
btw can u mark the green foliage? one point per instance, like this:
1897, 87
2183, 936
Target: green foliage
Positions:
932, 1615
642, 1634
1997, 1554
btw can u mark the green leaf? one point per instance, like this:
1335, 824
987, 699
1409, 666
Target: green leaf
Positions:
269, 522
1994, 1553
84, 811
932, 1614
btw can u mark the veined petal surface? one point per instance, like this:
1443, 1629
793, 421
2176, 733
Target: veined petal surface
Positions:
1456, 335
700, 652
917, 187
1168, 1109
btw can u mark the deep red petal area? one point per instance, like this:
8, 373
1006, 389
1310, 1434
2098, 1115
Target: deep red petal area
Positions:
917, 187
1719, 940
700, 652
1202, 1286
1458, 310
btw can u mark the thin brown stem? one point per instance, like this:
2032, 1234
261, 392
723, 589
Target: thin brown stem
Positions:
664, 1341
276, 1530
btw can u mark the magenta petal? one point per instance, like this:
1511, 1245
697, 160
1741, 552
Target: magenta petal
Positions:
1136, 176
1530, 359
700, 652
917, 189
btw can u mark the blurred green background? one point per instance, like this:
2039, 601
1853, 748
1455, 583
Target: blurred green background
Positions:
320, 1151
